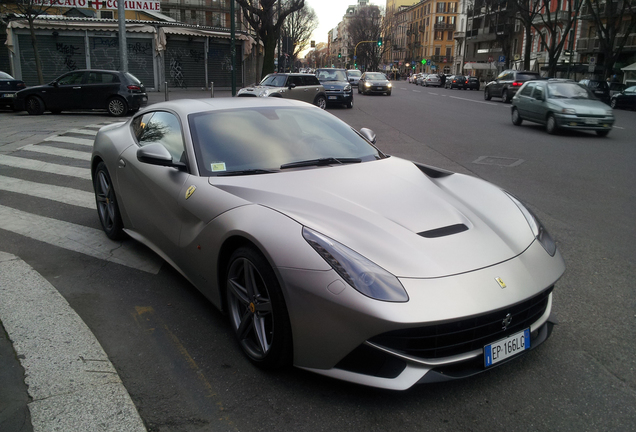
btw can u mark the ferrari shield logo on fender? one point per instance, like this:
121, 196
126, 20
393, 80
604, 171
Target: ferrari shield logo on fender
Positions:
500, 282
190, 191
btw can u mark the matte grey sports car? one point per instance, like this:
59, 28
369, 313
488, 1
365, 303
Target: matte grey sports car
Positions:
325, 252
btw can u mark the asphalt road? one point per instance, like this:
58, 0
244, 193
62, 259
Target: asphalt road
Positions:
177, 356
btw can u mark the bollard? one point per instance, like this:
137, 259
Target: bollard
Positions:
211, 89
165, 86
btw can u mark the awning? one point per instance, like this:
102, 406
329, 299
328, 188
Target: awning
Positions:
185, 31
45, 24
475, 66
631, 67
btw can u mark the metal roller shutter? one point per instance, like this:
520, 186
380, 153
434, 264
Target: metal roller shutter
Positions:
5, 64
104, 53
185, 63
58, 55
220, 64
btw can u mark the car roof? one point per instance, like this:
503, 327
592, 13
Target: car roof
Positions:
184, 107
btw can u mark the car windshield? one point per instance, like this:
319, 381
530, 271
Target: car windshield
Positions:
598, 85
332, 75
274, 80
262, 139
354, 73
4, 75
376, 76
527, 77
567, 91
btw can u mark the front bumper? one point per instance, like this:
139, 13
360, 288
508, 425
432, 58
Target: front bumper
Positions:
377, 89
7, 99
339, 97
570, 121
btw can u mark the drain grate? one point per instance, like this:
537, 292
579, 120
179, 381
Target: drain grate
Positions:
499, 161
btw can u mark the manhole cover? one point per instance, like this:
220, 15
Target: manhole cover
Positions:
500, 161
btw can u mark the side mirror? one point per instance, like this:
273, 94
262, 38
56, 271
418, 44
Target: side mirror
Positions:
156, 154
292, 85
54, 83
368, 134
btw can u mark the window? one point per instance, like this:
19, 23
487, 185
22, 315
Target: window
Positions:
102, 78
71, 79
449, 51
163, 128
527, 90
441, 7
438, 51
538, 92
449, 35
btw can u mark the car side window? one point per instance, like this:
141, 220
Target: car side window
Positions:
71, 79
527, 90
502, 75
310, 80
538, 93
296, 80
102, 78
163, 128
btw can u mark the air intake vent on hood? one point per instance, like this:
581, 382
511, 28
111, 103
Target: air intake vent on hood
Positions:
444, 231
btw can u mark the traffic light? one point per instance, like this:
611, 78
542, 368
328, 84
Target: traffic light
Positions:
424, 62
379, 42
339, 54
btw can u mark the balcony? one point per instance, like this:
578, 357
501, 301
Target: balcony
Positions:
593, 44
444, 26
459, 35
441, 59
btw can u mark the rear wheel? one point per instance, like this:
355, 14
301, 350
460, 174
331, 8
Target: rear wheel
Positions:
257, 309
551, 125
516, 118
320, 102
505, 96
107, 207
613, 103
117, 106
487, 95
35, 105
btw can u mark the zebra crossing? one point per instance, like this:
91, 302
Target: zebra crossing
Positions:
36, 172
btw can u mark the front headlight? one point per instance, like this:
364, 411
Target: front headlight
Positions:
367, 84
568, 111
347, 88
390, 85
609, 112
363, 275
537, 227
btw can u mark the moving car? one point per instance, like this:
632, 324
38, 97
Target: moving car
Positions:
8, 88
507, 83
374, 82
302, 87
625, 99
354, 76
116, 92
455, 81
432, 80
325, 252
561, 104
337, 87
599, 88
472, 83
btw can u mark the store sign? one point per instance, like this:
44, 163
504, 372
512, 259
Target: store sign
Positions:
131, 5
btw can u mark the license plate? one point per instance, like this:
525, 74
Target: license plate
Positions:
505, 348
333, 97
591, 121
378, 88
9, 95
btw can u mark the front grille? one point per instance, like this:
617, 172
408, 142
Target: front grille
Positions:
457, 337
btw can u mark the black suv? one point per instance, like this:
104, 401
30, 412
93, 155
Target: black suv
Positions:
337, 86
507, 83
599, 88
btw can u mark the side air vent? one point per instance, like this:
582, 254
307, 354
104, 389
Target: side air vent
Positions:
432, 171
444, 231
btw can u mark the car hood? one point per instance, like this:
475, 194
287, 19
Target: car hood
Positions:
394, 214
334, 85
583, 106
378, 82
259, 90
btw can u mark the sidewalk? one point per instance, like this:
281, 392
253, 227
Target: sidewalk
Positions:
174, 94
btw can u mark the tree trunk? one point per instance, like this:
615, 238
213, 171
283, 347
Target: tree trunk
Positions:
34, 43
269, 42
528, 49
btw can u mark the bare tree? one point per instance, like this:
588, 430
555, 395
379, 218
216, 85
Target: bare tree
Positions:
366, 25
526, 12
31, 9
298, 27
266, 17
613, 21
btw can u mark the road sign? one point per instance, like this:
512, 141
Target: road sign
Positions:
490, 59
355, 57
592, 60
502, 59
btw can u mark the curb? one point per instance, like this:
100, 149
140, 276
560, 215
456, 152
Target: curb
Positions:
72, 383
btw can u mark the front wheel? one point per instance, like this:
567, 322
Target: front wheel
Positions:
257, 309
350, 103
321, 102
551, 125
516, 118
487, 95
117, 107
35, 106
107, 207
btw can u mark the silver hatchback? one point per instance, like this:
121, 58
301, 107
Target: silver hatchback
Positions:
561, 104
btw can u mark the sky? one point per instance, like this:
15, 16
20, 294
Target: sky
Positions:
330, 13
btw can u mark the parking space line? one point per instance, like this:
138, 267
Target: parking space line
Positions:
481, 102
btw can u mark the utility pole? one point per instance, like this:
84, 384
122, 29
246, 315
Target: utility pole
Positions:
123, 47
233, 45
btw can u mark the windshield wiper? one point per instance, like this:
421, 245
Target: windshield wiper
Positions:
246, 172
320, 162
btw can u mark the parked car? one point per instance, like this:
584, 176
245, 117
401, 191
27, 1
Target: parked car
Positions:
599, 88
616, 87
419, 80
471, 83
325, 252
117, 92
374, 82
625, 99
302, 87
9, 86
337, 87
432, 80
561, 104
455, 82
354, 76
507, 83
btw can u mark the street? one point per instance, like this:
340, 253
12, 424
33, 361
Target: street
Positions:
176, 354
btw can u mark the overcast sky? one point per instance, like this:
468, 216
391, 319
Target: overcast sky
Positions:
330, 13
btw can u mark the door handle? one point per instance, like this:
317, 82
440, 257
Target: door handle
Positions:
76, 88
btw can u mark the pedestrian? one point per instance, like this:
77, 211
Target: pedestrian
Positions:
442, 80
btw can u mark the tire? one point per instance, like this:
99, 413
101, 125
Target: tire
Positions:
359, 90
350, 103
551, 125
106, 200
505, 97
34, 105
602, 133
613, 103
516, 118
257, 311
321, 102
388, 94
487, 95
117, 107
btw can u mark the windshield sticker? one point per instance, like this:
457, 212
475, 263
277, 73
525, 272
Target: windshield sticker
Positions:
218, 166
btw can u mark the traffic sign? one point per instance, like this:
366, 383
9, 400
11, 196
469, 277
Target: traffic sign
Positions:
502, 59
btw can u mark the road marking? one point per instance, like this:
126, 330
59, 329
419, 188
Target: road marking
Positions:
618, 127
74, 154
417, 91
39, 166
436, 94
70, 140
78, 238
82, 132
481, 102
54, 193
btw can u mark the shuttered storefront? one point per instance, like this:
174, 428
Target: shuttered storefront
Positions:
104, 54
185, 63
58, 55
220, 63
5, 64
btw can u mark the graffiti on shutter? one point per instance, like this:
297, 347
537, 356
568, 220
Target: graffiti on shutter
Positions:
58, 55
